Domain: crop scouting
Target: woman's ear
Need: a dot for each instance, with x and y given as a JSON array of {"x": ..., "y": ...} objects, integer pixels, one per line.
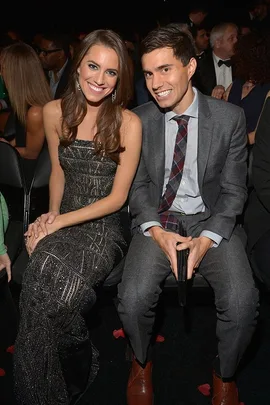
[{"x": 78, "y": 70}]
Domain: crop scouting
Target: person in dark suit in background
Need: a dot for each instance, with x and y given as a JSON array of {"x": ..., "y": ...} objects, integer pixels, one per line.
[
  {"x": 257, "y": 214},
  {"x": 211, "y": 195},
  {"x": 215, "y": 74},
  {"x": 54, "y": 53}
]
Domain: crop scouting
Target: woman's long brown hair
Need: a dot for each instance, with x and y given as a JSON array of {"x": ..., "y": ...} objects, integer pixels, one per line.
[
  {"x": 109, "y": 118},
  {"x": 24, "y": 78}
]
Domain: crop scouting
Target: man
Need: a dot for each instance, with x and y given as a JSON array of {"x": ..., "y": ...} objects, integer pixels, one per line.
[
  {"x": 196, "y": 15},
  {"x": 54, "y": 53},
  {"x": 259, "y": 15},
  {"x": 201, "y": 40},
  {"x": 215, "y": 73},
  {"x": 211, "y": 194}
]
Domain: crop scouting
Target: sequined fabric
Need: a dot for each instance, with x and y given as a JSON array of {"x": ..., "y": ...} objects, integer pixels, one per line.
[{"x": 59, "y": 286}]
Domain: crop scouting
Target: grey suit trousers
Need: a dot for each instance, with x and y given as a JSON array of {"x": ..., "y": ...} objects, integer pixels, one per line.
[{"x": 226, "y": 268}]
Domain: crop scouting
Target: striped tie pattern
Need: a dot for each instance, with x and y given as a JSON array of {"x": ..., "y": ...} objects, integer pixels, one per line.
[{"x": 167, "y": 220}]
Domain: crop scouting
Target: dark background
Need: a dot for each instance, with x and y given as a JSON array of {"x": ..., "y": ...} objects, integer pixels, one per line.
[{"x": 81, "y": 15}]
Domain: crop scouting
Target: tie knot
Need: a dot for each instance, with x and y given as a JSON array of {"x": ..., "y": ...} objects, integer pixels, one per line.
[
  {"x": 227, "y": 62},
  {"x": 181, "y": 119}
]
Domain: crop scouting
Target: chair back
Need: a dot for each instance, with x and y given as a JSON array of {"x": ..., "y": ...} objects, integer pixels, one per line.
[
  {"x": 38, "y": 198},
  {"x": 13, "y": 187},
  {"x": 43, "y": 169},
  {"x": 11, "y": 173}
]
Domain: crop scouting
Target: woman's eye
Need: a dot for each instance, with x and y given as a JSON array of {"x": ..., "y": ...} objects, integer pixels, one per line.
[
  {"x": 91, "y": 66},
  {"x": 111, "y": 73}
]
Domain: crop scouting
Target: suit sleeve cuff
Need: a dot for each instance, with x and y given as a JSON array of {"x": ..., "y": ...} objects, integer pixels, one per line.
[
  {"x": 213, "y": 236},
  {"x": 146, "y": 225}
]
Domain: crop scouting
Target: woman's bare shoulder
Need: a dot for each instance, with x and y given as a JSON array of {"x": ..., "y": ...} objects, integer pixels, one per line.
[
  {"x": 130, "y": 118},
  {"x": 52, "y": 108}
]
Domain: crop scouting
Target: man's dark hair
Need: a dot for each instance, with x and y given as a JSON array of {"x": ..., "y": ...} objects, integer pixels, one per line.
[
  {"x": 59, "y": 39},
  {"x": 171, "y": 36}
]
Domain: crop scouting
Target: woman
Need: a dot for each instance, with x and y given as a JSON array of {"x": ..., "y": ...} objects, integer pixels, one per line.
[
  {"x": 28, "y": 92},
  {"x": 4, "y": 257},
  {"x": 252, "y": 78},
  {"x": 94, "y": 145}
]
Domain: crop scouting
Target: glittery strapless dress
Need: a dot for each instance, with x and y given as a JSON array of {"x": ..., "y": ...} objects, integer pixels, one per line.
[{"x": 54, "y": 360}]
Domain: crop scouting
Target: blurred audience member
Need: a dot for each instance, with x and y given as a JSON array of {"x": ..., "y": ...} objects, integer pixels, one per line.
[
  {"x": 4, "y": 257},
  {"x": 28, "y": 92},
  {"x": 252, "y": 78},
  {"x": 257, "y": 215},
  {"x": 215, "y": 73},
  {"x": 54, "y": 53}
]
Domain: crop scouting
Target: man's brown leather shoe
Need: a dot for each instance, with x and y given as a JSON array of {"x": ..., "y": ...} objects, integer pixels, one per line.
[
  {"x": 224, "y": 393},
  {"x": 140, "y": 389}
]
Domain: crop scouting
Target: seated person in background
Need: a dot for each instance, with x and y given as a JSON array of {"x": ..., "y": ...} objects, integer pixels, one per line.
[
  {"x": 94, "y": 144},
  {"x": 257, "y": 213},
  {"x": 252, "y": 78},
  {"x": 5, "y": 41},
  {"x": 215, "y": 73},
  {"x": 201, "y": 39},
  {"x": 4, "y": 258},
  {"x": 199, "y": 188},
  {"x": 28, "y": 92},
  {"x": 54, "y": 53}
]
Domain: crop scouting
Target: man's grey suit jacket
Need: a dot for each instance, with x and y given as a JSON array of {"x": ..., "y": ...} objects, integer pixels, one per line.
[{"x": 222, "y": 164}]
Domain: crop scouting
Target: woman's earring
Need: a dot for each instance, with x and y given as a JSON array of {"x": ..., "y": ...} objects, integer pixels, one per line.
[
  {"x": 78, "y": 87},
  {"x": 113, "y": 96}
]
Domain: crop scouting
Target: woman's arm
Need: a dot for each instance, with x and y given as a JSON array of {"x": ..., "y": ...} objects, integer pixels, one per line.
[
  {"x": 52, "y": 123},
  {"x": 52, "y": 119},
  {"x": 5, "y": 262},
  {"x": 35, "y": 134},
  {"x": 131, "y": 133}
]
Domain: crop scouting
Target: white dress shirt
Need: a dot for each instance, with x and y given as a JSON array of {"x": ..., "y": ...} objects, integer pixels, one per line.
[{"x": 223, "y": 73}]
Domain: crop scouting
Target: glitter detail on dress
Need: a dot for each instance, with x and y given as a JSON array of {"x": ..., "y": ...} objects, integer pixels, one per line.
[{"x": 59, "y": 285}]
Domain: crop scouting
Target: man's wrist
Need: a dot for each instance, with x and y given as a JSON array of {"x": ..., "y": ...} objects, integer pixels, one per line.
[
  {"x": 208, "y": 242},
  {"x": 155, "y": 231}
]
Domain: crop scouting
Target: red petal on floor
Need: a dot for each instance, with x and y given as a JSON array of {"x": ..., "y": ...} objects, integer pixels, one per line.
[
  {"x": 204, "y": 389},
  {"x": 2, "y": 372},
  {"x": 10, "y": 349},
  {"x": 117, "y": 333},
  {"x": 160, "y": 339}
]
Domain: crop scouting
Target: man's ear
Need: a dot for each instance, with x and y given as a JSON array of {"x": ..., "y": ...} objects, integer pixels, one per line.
[
  {"x": 192, "y": 65},
  {"x": 217, "y": 43}
]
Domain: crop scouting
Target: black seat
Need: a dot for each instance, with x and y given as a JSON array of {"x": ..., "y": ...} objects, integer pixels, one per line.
[
  {"x": 13, "y": 188},
  {"x": 38, "y": 194},
  {"x": 23, "y": 202}
]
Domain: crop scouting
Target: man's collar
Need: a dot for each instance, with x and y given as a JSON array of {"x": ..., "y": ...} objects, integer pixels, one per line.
[{"x": 191, "y": 111}]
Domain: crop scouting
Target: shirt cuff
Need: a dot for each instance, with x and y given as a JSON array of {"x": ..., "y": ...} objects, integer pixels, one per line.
[
  {"x": 147, "y": 225},
  {"x": 3, "y": 250},
  {"x": 214, "y": 236},
  {"x": 3, "y": 104}
]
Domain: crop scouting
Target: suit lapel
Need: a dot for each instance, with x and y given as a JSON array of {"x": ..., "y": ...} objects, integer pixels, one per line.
[
  {"x": 157, "y": 129},
  {"x": 205, "y": 132}
]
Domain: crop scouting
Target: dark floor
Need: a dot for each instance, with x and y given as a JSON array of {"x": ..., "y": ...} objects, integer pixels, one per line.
[{"x": 181, "y": 363}]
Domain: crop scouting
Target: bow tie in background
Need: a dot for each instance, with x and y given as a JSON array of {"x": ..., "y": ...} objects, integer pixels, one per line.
[{"x": 227, "y": 62}]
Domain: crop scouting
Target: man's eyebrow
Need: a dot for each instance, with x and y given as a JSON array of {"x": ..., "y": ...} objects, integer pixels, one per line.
[{"x": 158, "y": 68}]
